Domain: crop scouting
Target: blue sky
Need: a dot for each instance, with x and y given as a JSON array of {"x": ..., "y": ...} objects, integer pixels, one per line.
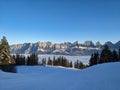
[{"x": 60, "y": 20}]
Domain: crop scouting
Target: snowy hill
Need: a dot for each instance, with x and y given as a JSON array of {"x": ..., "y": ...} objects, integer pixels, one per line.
[{"x": 99, "y": 77}]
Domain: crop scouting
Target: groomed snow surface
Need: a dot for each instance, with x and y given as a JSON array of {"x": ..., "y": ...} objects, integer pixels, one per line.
[{"x": 98, "y": 77}]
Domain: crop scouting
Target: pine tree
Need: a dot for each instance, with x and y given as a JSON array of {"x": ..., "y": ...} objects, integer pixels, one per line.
[
  {"x": 81, "y": 65},
  {"x": 96, "y": 58},
  {"x": 28, "y": 60},
  {"x": 119, "y": 54},
  {"x": 67, "y": 63},
  {"x": 71, "y": 65},
  {"x": 76, "y": 64},
  {"x": 49, "y": 61},
  {"x": 6, "y": 60},
  {"x": 5, "y": 57},
  {"x": 17, "y": 59},
  {"x": 53, "y": 60},
  {"x": 115, "y": 56},
  {"x": 106, "y": 55},
  {"x": 91, "y": 61},
  {"x": 36, "y": 59},
  {"x": 43, "y": 62}
]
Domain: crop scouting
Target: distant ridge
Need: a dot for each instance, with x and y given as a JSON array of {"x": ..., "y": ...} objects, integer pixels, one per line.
[{"x": 66, "y": 48}]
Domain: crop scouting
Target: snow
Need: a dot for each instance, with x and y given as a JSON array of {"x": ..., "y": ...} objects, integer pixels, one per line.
[
  {"x": 60, "y": 51},
  {"x": 41, "y": 50},
  {"x": 98, "y": 77}
]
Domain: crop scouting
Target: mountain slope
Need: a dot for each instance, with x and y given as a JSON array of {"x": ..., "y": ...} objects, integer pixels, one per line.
[{"x": 99, "y": 77}]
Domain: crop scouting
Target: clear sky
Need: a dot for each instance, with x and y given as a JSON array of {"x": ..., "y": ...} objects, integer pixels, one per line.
[{"x": 60, "y": 20}]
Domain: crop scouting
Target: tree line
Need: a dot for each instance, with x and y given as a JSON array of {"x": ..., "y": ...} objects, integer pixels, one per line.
[
  {"x": 59, "y": 61},
  {"x": 29, "y": 60},
  {"x": 62, "y": 61},
  {"x": 105, "y": 56}
]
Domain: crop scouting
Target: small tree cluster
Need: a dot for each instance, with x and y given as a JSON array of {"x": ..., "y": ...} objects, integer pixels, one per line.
[
  {"x": 79, "y": 65},
  {"x": 60, "y": 61},
  {"x": 105, "y": 56},
  {"x": 94, "y": 59},
  {"x": 30, "y": 60},
  {"x": 20, "y": 59}
]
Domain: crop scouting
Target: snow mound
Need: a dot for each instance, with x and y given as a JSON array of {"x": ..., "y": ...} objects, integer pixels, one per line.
[{"x": 98, "y": 77}]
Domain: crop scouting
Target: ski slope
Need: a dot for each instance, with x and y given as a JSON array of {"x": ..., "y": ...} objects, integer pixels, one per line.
[{"x": 98, "y": 77}]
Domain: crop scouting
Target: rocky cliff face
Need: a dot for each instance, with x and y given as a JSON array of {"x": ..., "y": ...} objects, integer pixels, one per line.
[{"x": 65, "y": 48}]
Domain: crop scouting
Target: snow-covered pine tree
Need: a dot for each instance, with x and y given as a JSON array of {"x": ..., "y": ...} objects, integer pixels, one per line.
[
  {"x": 6, "y": 60},
  {"x": 5, "y": 57}
]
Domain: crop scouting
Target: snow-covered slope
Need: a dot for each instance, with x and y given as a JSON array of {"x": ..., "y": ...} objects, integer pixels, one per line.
[{"x": 99, "y": 77}]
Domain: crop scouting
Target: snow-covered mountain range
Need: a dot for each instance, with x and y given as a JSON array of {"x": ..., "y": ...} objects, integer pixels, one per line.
[{"x": 66, "y": 48}]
